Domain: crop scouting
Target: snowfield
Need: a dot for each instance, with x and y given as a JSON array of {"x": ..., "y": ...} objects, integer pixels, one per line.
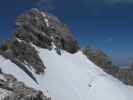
[{"x": 71, "y": 77}]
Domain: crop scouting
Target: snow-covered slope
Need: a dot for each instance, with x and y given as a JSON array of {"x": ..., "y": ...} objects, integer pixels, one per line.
[
  {"x": 71, "y": 77},
  {"x": 63, "y": 75}
]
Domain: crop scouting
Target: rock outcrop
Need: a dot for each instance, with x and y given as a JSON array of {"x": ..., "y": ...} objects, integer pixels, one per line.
[
  {"x": 11, "y": 89},
  {"x": 41, "y": 29}
]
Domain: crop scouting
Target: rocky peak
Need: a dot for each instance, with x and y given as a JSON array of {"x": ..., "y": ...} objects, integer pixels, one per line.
[
  {"x": 41, "y": 29},
  {"x": 35, "y": 27}
]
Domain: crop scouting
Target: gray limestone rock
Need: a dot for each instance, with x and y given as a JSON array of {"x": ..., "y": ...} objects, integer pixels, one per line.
[{"x": 11, "y": 89}]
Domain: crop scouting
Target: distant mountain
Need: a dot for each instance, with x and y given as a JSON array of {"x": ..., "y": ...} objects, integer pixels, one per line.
[{"x": 43, "y": 61}]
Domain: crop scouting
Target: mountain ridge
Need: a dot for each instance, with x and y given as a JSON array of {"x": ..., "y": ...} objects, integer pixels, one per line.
[{"x": 44, "y": 55}]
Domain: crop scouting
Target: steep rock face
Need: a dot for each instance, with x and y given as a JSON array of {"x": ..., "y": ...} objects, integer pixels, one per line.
[
  {"x": 31, "y": 27},
  {"x": 42, "y": 29},
  {"x": 11, "y": 89},
  {"x": 38, "y": 28}
]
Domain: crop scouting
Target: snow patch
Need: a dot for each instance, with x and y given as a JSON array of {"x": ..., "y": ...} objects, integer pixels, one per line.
[
  {"x": 2, "y": 77},
  {"x": 43, "y": 14},
  {"x": 46, "y": 21},
  {"x": 19, "y": 40},
  {"x": 10, "y": 68},
  {"x": 4, "y": 94},
  {"x": 45, "y": 18}
]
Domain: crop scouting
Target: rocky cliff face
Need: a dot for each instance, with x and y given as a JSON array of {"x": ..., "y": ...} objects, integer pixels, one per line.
[
  {"x": 38, "y": 28},
  {"x": 43, "y": 29}
]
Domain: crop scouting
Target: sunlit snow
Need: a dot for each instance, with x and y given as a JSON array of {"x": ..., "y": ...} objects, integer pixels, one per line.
[{"x": 71, "y": 77}]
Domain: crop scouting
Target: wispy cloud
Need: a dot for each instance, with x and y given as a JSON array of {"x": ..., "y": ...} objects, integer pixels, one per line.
[{"x": 110, "y": 39}]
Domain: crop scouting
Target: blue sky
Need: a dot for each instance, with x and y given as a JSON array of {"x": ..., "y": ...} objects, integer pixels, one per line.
[{"x": 106, "y": 24}]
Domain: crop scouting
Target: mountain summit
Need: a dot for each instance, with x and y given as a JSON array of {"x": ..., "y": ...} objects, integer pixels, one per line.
[
  {"x": 43, "y": 57},
  {"x": 41, "y": 29}
]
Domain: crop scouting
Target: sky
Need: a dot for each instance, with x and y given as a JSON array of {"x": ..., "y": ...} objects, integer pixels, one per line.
[{"x": 105, "y": 24}]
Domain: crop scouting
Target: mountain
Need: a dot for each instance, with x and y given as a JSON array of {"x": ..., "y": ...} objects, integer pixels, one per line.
[{"x": 43, "y": 61}]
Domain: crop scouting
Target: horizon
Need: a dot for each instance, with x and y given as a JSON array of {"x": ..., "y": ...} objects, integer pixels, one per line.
[{"x": 105, "y": 25}]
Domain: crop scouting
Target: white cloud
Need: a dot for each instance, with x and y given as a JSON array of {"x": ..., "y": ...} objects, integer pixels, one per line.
[{"x": 110, "y": 39}]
